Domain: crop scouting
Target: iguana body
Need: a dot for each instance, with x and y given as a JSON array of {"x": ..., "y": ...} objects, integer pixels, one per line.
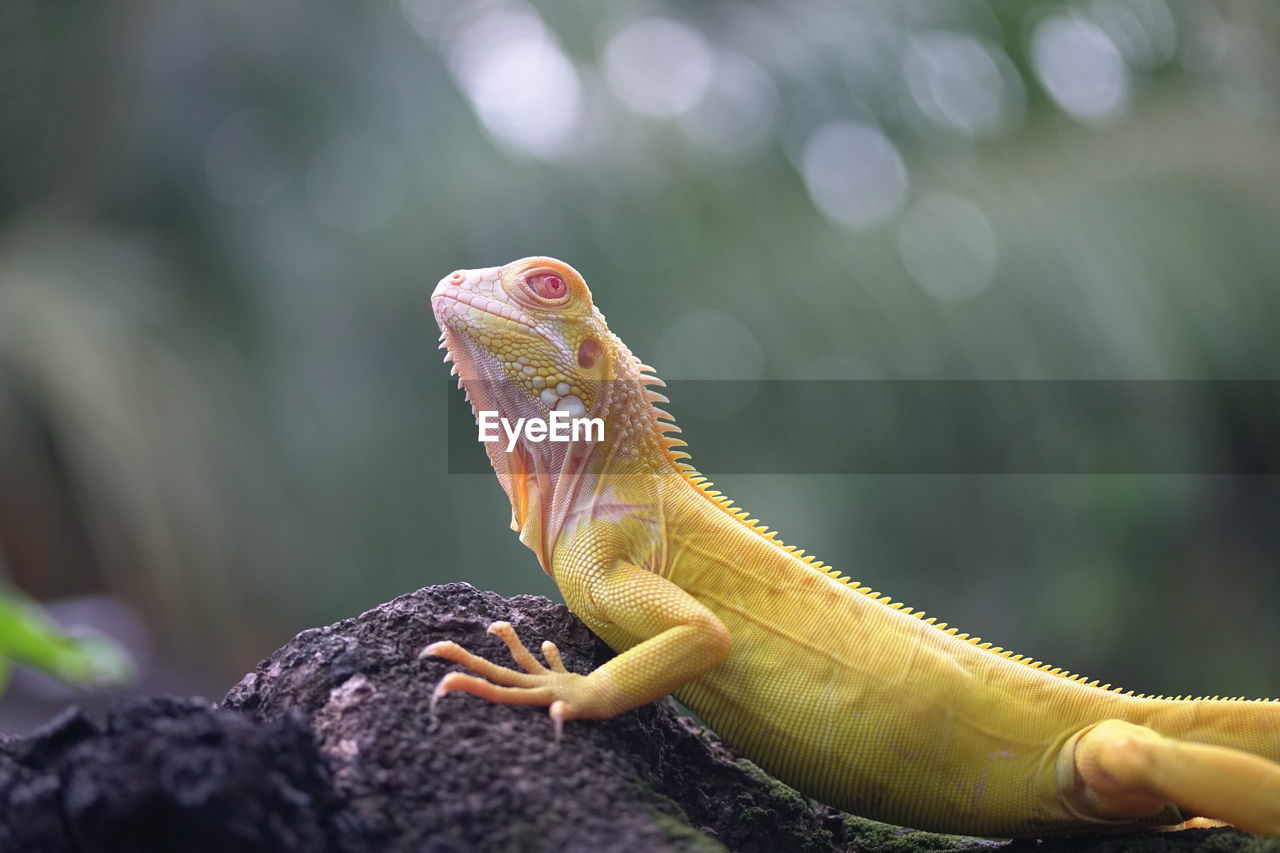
[{"x": 852, "y": 699}]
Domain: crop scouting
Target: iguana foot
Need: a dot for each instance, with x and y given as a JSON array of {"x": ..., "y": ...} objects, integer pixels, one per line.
[
  {"x": 1125, "y": 771},
  {"x": 567, "y": 693}
]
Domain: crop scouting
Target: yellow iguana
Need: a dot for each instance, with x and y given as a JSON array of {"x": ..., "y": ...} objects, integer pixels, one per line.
[{"x": 851, "y": 698}]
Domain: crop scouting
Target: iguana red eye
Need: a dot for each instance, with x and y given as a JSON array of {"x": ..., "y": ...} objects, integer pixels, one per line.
[{"x": 548, "y": 285}]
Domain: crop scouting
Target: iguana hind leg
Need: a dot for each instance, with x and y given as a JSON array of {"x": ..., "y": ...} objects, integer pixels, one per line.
[{"x": 1125, "y": 771}]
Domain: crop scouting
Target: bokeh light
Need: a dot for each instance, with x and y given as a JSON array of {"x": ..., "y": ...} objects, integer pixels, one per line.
[
  {"x": 854, "y": 174},
  {"x": 1235, "y": 74},
  {"x": 947, "y": 245},
  {"x": 1144, "y": 30},
  {"x": 659, "y": 67},
  {"x": 1081, "y": 68},
  {"x": 962, "y": 83},
  {"x": 737, "y": 112},
  {"x": 518, "y": 79},
  {"x": 709, "y": 344}
]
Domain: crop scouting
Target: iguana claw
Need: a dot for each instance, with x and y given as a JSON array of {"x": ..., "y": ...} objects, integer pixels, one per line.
[{"x": 537, "y": 685}]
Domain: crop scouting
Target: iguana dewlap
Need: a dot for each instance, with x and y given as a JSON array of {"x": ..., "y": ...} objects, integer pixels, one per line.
[{"x": 851, "y": 698}]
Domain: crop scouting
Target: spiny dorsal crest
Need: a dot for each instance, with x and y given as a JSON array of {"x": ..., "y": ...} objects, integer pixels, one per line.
[{"x": 664, "y": 425}]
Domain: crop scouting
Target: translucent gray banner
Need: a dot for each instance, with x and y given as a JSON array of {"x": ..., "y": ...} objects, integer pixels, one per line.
[{"x": 959, "y": 427}]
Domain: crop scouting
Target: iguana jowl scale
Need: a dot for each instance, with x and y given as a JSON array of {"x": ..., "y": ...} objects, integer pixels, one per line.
[{"x": 853, "y": 699}]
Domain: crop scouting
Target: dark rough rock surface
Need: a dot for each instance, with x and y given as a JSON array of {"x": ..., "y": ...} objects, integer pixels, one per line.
[
  {"x": 168, "y": 774},
  {"x": 329, "y": 745}
]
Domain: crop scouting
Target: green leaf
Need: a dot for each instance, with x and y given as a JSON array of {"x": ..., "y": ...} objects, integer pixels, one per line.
[{"x": 81, "y": 657}]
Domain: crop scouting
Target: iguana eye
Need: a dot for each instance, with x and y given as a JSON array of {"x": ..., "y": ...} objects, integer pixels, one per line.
[{"x": 548, "y": 285}]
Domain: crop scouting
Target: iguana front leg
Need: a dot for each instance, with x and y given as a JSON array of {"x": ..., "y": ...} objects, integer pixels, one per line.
[{"x": 672, "y": 639}]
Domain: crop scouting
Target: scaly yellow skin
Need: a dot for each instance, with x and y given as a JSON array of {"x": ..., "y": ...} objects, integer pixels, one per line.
[{"x": 854, "y": 700}]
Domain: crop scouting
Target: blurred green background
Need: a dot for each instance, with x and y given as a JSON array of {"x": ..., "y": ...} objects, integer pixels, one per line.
[{"x": 221, "y": 405}]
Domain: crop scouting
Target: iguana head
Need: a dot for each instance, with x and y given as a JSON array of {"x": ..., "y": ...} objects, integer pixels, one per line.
[{"x": 525, "y": 340}]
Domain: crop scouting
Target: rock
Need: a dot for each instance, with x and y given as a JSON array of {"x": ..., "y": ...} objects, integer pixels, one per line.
[
  {"x": 330, "y": 745},
  {"x": 167, "y": 774}
]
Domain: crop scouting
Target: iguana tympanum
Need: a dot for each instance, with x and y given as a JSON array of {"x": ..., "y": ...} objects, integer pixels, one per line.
[{"x": 851, "y": 698}]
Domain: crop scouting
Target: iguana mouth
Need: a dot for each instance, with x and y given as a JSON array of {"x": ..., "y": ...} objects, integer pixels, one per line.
[
  {"x": 447, "y": 290},
  {"x": 481, "y": 375}
]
